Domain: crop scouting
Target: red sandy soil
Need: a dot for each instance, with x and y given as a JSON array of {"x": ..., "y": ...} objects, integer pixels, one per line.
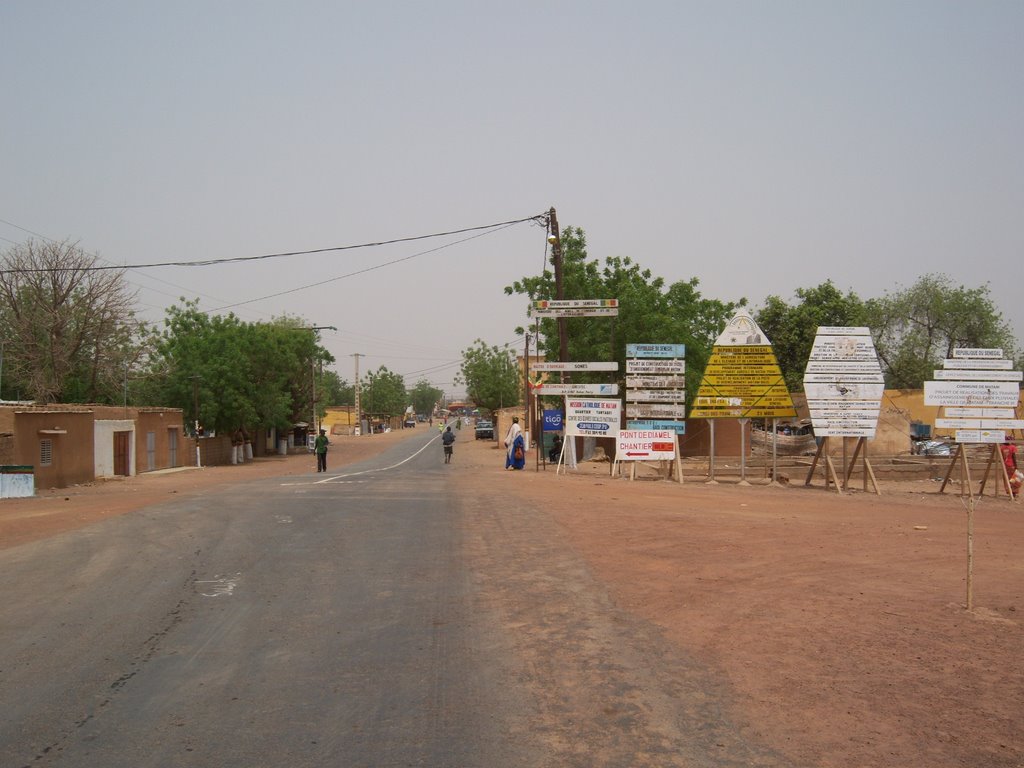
[{"x": 838, "y": 622}]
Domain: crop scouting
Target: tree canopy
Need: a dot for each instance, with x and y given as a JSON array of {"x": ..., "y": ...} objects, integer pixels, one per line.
[
  {"x": 70, "y": 330},
  {"x": 383, "y": 392},
  {"x": 239, "y": 374},
  {"x": 649, "y": 311},
  {"x": 424, "y": 396},
  {"x": 915, "y": 328},
  {"x": 331, "y": 389},
  {"x": 491, "y": 376},
  {"x": 792, "y": 328}
]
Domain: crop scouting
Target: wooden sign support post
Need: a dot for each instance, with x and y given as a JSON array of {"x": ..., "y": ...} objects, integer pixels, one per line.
[
  {"x": 970, "y": 554},
  {"x": 671, "y": 468},
  {"x": 743, "y": 451},
  {"x": 869, "y": 473},
  {"x": 711, "y": 455},
  {"x": 1000, "y": 474},
  {"x": 965, "y": 471},
  {"x": 775, "y": 453},
  {"x": 828, "y": 468}
]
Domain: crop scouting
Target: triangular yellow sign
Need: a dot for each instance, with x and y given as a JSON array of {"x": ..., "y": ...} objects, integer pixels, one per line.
[{"x": 742, "y": 379}]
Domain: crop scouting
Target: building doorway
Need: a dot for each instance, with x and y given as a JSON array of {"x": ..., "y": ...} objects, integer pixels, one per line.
[
  {"x": 122, "y": 453},
  {"x": 172, "y": 447}
]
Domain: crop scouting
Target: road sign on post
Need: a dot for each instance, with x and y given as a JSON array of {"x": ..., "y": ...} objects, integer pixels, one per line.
[
  {"x": 579, "y": 390},
  {"x": 670, "y": 351},
  {"x": 570, "y": 366},
  {"x": 655, "y": 386},
  {"x": 655, "y": 410},
  {"x": 575, "y": 308},
  {"x": 644, "y": 445},
  {"x": 661, "y": 445}
]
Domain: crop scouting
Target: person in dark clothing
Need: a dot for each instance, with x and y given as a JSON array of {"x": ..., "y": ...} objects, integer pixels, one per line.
[
  {"x": 447, "y": 438},
  {"x": 556, "y": 448}
]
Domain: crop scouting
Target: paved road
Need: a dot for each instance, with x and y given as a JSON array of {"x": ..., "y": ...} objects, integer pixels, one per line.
[{"x": 369, "y": 617}]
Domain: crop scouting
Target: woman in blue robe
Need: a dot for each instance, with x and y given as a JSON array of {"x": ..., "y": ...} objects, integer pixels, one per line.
[{"x": 515, "y": 457}]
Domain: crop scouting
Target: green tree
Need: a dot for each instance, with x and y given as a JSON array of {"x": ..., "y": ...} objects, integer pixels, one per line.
[
  {"x": 424, "y": 395},
  {"x": 290, "y": 364},
  {"x": 383, "y": 392},
  {"x": 916, "y": 328},
  {"x": 792, "y": 328},
  {"x": 239, "y": 374},
  {"x": 70, "y": 331},
  {"x": 491, "y": 376},
  {"x": 649, "y": 311},
  {"x": 336, "y": 390}
]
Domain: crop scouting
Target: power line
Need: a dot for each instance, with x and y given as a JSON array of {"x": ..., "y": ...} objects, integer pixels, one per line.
[
  {"x": 238, "y": 259},
  {"x": 96, "y": 255},
  {"x": 497, "y": 228}
]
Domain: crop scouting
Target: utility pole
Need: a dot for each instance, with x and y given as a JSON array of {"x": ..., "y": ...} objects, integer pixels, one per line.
[
  {"x": 563, "y": 337},
  {"x": 195, "y": 406},
  {"x": 526, "y": 374},
  {"x": 556, "y": 260},
  {"x": 359, "y": 413},
  {"x": 312, "y": 374},
  {"x": 526, "y": 386}
]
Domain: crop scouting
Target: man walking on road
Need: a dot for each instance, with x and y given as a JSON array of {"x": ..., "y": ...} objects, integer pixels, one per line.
[
  {"x": 447, "y": 438},
  {"x": 320, "y": 447}
]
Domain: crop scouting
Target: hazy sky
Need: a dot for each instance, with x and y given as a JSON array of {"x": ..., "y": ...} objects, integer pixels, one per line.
[{"x": 758, "y": 146}]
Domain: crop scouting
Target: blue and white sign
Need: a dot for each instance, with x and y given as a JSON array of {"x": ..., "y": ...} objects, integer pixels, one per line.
[
  {"x": 669, "y": 351},
  {"x": 552, "y": 421}
]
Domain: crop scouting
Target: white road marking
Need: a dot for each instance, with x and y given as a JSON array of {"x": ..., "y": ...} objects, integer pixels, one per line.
[
  {"x": 342, "y": 478},
  {"x": 222, "y": 586}
]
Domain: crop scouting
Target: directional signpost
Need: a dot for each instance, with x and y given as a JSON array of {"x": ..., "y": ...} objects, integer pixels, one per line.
[
  {"x": 979, "y": 393},
  {"x": 565, "y": 308},
  {"x": 973, "y": 381},
  {"x": 612, "y": 366},
  {"x": 655, "y": 401},
  {"x": 843, "y": 383},
  {"x": 575, "y": 308}
]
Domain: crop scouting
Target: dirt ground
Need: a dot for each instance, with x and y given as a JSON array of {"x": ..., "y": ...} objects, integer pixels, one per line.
[{"x": 839, "y": 622}]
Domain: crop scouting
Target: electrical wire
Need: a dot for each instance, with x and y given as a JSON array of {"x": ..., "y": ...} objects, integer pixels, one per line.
[
  {"x": 239, "y": 259},
  {"x": 494, "y": 228},
  {"x": 97, "y": 256}
]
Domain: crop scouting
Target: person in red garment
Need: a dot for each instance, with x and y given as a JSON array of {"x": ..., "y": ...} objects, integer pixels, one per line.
[{"x": 1009, "y": 452}]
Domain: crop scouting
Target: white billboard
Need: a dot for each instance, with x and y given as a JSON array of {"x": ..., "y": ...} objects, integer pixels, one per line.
[
  {"x": 645, "y": 445},
  {"x": 592, "y": 417},
  {"x": 577, "y": 389},
  {"x": 996, "y": 394}
]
